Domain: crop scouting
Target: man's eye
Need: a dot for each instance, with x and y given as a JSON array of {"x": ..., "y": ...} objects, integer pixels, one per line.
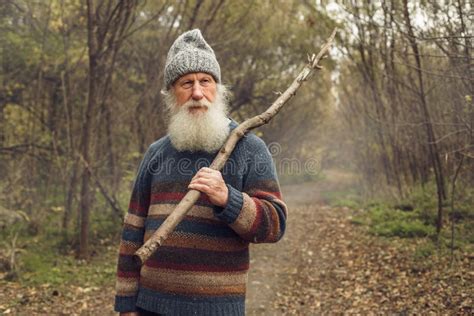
[
  {"x": 187, "y": 84},
  {"x": 205, "y": 82}
]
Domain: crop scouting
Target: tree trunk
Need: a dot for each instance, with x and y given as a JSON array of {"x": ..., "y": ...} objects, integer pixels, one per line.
[
  {"x": 433, "y": 150},
  {"x": 105, "y": 34},
  {"x": 84, "y": 204}
]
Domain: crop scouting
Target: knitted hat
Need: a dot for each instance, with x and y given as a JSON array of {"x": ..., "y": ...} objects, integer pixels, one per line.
[{"x": 190, "y": 53}]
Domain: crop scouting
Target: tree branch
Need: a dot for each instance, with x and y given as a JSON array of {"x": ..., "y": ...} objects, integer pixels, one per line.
[
  {"x": 153, "y": 17},
  {"x": 110, "y": 199}
]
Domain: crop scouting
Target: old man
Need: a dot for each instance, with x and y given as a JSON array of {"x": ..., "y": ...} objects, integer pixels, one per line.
[{"x": 202, "y": 267}]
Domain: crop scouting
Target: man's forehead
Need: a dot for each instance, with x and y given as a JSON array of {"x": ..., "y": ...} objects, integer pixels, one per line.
[{"x": 193, "y": 75}]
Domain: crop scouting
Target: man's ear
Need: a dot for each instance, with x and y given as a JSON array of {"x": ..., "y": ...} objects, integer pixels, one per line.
[{"x": 167, "y": 91}]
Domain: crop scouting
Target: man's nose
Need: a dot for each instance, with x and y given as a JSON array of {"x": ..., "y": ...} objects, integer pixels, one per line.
[{"x": 197, "y": 92}]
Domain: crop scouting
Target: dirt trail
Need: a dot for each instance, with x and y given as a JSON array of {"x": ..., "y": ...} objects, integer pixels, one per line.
[{"x": 276, "y": 266}]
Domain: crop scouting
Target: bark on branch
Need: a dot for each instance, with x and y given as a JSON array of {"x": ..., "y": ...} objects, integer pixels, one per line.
[
  {"x": 159, "y": 236},
  {"x": 108, "y": 197}
]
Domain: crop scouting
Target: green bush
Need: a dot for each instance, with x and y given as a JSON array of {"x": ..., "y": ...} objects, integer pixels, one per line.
[
  {"x": 402, "y": 229},
  {"x": 389, "y": 222},
  {"x": 414, "y": 216}
]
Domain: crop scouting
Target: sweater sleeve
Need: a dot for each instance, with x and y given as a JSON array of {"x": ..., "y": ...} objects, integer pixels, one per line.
[
  {"x": 128, "y": 271},
  {"x": 258, "y": 213}
]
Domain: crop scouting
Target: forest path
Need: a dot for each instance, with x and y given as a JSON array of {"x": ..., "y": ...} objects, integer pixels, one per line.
[{"x": 312, "y": 230}]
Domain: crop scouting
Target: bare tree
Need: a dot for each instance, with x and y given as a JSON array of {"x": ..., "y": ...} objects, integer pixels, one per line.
[{"x": 107, "y": 22}]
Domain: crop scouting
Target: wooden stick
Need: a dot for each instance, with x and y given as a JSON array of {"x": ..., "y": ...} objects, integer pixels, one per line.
[{"x": 159, "y": 236}]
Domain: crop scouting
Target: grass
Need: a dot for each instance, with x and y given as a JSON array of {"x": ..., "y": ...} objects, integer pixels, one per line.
[
  {"x": 385, "y": 218},
  {"x": 51, "y": 267},
  {"x": 344, "y": 198},
  {"x": 44, "y": 258}
]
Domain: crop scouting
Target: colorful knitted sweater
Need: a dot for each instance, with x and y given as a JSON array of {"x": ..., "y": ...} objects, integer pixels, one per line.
[{"x": 202, "y": 267}]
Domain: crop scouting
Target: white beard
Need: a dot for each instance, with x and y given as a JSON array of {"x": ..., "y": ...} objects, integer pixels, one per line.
[{"x": 199, "y": 131}]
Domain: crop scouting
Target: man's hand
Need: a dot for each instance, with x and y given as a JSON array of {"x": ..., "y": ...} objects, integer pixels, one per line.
[
  {"x": 130, "y": 314},
  {"x": 210, "y": 182}
]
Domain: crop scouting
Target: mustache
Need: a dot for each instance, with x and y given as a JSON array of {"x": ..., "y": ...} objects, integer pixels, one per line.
[{"x": 195, "y": 103}]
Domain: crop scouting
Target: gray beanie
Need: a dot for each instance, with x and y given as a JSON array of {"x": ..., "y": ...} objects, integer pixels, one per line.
[{"x": 190, "y": 53}]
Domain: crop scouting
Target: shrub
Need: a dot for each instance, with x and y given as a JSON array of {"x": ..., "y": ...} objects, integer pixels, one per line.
[{"x": 388, "y": 222}]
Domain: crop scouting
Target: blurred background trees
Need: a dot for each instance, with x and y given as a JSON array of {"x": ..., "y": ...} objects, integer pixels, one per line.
[
  {"x": 80, "y": 97},
  {"x": 406, "y": 95}
]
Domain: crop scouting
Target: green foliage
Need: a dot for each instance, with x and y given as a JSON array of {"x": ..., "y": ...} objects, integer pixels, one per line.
[
  {"x": 384, "y": 219},
  {"x": 358, "y": 220},
  {"x": 43, "y": 256},
  {"x": 104, "y": 223},
  {"x": 45, "y": 259},
  {"x": 424, "y": 199},
  {"x": 350, "y": 202},
  {"x": 391, "y": 223},
  {"x": 47, "y": 266}
]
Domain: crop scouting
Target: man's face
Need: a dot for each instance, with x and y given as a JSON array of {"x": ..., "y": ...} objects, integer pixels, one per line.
[
  {"x": 197, "y": 108},
  {"x": 196, "y": 87}
]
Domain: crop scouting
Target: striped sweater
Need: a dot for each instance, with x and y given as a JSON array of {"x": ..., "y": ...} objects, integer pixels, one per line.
[{"x": 202, "y": 267}]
